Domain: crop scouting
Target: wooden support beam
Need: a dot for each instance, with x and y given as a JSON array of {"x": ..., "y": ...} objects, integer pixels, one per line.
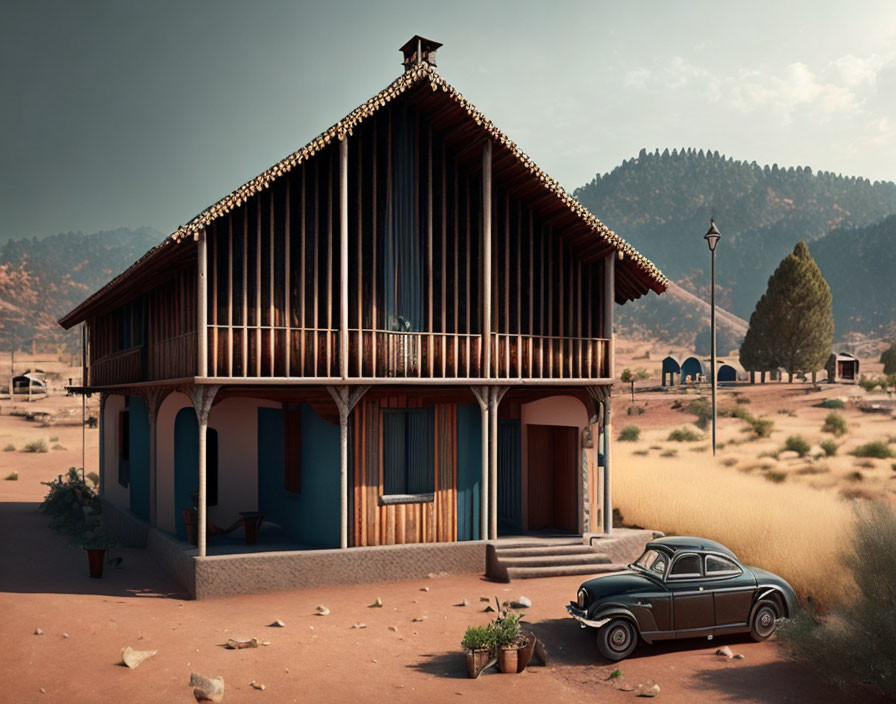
[
  {"x": 202, "y": 396},
  {"x": 346, "y": 398},
  {"x": 482, "y": 395},
  {"x": 287, "y": 285},
  {"x": 272, "y": 333},
  {"x": 343, "y": 257},
  {"x": 245, "y": 267},
  {"x": 230, "y": 294},
  {"x": 202, "y": 306},
  {"x": 486, "y": 258}
]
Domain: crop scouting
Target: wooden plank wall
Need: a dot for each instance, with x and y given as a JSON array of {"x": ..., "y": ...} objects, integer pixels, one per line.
[{"x": 430, "y": 522}]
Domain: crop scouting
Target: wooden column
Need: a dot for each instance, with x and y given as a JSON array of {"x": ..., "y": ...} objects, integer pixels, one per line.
[
  {"x": 482, "y": 396},
  {"x": 203, "y": 397},
  {"x": 609, "y": 302},
  {"x": 202, "y": 310},
  {"x": 496, "y": 393},
  {"x": 487, "y": 258},
  {"x": 343, "y": 258},
  {"x": 346, "y": 397},
  {"x": 102, "y": 441},
  {"x": 608, "y": 499}
]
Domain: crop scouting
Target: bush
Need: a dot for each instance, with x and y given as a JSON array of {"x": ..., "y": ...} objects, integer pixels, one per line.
[
  {"x": 829, "y": 447},
  {"x": 57, "y": 446},
  {"x": 701, "y": 408},
  {"x": 834, "y": 424},
  {"x": 12, "y": 477},
  {"x": 871, "y": 383},
  {"x": 477, "y": 638},
  {"x": 876, "y": 449},
  {"x": 775, "y": 475},
  {"x": 795, "y": 443},
  {"x": 9, "y": 448},
  {"x": 94, "y": 478},
  {"x": 684, "y": 435},
  {"x": 72, "y": 503},
  {"x": 630, "y": 433},
  {"x": 832, "y": 403},
  {"x": 506, "y": 629},
  {"x": 742, "y": 400},
  {"x": 36, "y": 446},
  {"x": 635, "y": 410},
  {"x": 762, "y": 427},
  {"x": 671, "y": 452},
  {"x": 860, "y": 625},
  {"x": 54, "y": 439}
]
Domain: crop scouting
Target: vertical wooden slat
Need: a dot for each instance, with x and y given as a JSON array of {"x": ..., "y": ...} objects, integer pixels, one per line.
[
  {"x": 303, "y": 313},
  {"x": 429, "y": 300},
  {"x": 287, "y": 283},
  {"x": 486, "y": 257},
  {"x": 550, "y": 248},
  {"x": 202, "y": 306},
  {"x": 343, "y": 257},
  {"x": 468, "y": 329},
  {"x": 315, "y": 334},
  {"x": 258, "y": 288},
  {"x": 230, "y": 294},
  {"x": 329, "y": 358},
  {"x": 444, "y": 212},
  {"x": 359, "y": 209},
  {"x": 456, "y": 369},
  {"x": 375, "y": 240},
  {"x": 271, "y": 332},
  {"x": 531, "y": 292},
  {"x": 245, "y": 336},
  {"x": 214, "y": 288},
  {"x": 507, "y": 327}
]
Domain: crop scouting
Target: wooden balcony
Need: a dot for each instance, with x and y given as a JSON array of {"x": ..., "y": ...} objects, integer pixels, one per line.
[{"x": 545, "y": 357}]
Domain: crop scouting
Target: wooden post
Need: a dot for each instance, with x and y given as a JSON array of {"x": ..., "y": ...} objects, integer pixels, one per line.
[
  {"x": 487, "y": 258},
  {"x": 202, "y": 322},
  {"x": 609, "y": 302},
  {"x": 482, "y": 396},
  {"x": 345, "y": 402},
  {"x": 203, "y": 396},
  {"x": 608, "y": 500},
  {"x": 102, "y": 441},
  {"x": 343, "y": 258},
  {"x": 496, "y": 393}
]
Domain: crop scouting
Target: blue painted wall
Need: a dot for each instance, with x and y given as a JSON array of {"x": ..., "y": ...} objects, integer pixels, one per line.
[
  {"x": 310, "y": 517},
  {"x": 510, "y": 513},
  {"x": 469, "y": 471},
  {"x": 139, "y": 457},
  {"x": 186, "y": 465}
]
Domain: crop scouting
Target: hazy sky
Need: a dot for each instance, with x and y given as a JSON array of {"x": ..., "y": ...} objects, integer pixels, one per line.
[{"x": 124, "y": 113}]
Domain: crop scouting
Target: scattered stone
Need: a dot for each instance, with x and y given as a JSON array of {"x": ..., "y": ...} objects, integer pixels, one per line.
[
  {"x": 625, "y": 687},
  {"x": 234, "y": 644},
  {"x": 425, "y": 589},
  {"x": 43, "y": 691},
  {"x": 360, "y": 625},
  {"x": 265, "y": 643},
  {"x": 488, "y": 609},
  {"x": 322, "y": 610},
  {"x": 522, "y": 603},
  {"x": 738, "y": 656},
  {"x": 310, "y": 628},
  {"x": 65, "y": 635},
  {"x": 650, "y": 691},
  {"x": 373, "y": 660},
  {"x": 256, "y": 685},
  {"x": 486, "y": 599},
  {"x": 724, "y": 652},
  {"x": 418, "y": 619},
  {"x": 207, "y": 689},
  {"x": 38, "y": 632},
  {"x": 393, "y": 628},
  {"x": 132, "y": 658},
  {"x": 278, "y": 624},
  {"x": 378, "y": 604},
  {"x": 465, "y": 602}
]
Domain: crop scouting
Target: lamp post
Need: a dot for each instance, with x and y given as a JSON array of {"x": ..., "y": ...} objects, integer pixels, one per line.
[{"x": 712, "y": 238}]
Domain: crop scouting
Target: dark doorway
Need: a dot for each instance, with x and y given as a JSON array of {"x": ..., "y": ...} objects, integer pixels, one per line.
[
  {"x": 553, "y": 453},
  {"x": 510, "y": 518}
]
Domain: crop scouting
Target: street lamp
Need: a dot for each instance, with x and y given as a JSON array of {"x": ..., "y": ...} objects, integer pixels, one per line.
[{"x": 712, "y": 238}]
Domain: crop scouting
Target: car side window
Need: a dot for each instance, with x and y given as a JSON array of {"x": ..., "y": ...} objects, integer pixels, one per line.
[
  {"x": 717, "y": 566},
  {"x": 685, "y": 567}
]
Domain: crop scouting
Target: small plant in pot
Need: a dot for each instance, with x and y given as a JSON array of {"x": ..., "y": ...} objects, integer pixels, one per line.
[
  {"x": 478, "y": 641},
  {"x": 95, "y": 540},
  {"x": 508, "y": 640}
]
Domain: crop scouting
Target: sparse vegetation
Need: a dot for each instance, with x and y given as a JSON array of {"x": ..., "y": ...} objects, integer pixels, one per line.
[
  {"x": 856, "y": 476},
  {"x": 630, "y": 433},
  {"x": 860, "y": 625},
  {"x": 54, "y": 439},
  {"x": 829, "y": 447},
  {"x": 671, "y": 452},
  {"x": 796, "y": 443},
  {"x": 641, "y": 453},
  {"x": 12, "y": 477},
  {"x": 876, "y": 449},
  {"x": 742, "y": 400},
  {"x": 729, "y": 461},
  {"x": 57, "y": 446},
  {"x": 635, "y": 410},
  {"x": 9, "y": 448},
  {"x": 787, "y": 412},
  {"x": 630, "y": 377},
  {"x": 762, "y": 427},
  {"x": 832, "y": 403},
  {"x": 36, "y": 446},
  {"x": 701, "y": 408},
  {"x": 834, "y": 424},
  {"x": 684, "y": 435},
  {"x": 776, "y": 475}
]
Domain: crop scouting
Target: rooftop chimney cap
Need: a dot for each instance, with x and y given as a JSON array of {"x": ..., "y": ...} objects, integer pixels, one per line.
[{"x": 417, "y": 50}]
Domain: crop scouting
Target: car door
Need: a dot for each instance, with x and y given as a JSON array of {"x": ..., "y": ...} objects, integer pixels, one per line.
[
  {"x": 692, "y": 604},
  {"x": 733, "y": 591}
]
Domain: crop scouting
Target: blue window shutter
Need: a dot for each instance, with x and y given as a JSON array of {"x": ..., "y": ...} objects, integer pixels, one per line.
[
  {"x": 394, "y": 453},
  {"x": 420, "y": 452}
]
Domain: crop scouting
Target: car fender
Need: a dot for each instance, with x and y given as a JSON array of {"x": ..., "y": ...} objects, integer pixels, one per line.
[
  {"x": 604, "y": 614},
  {"x": 789, "y": 607}
]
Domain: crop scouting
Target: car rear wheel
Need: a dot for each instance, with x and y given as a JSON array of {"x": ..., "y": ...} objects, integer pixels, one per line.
[
  {"x": 764, "y": 621},
  {"x": 617, "y": 639}
]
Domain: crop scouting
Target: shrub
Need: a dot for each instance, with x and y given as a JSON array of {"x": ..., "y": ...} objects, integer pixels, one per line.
[
  {"x": 506, "y": 629},
  {"x": 701, "y": 408},
  {"x": 477, "y": 638},
  {"x": 762, "y": 427},
  {"x": 36, "y": 446},
  {"x": 829, "y": 447},
  {"x": 12, "y": 477},
  {"x": 871, "y": 383},
  {"x": 855, "y": 476},
  {"x": 795, "y": 443},
  {"x": 635, "y": 410},
  {"x": 57, "y": 446},
  {"x": 876, "y": 449},
  {"x": 9, "y": 448},
  {"x": 671, "y": 452},
  {"x": 54, "y": 439},
  {"x": 684, "y": 435},
  {"x": 775, "y": 475},
  {"x": 729, "y": 461},
  {"x": 834, "y": 424},
  {"x": 859, "y": 626},
  {"x": 742, "y": 400},
  {"x": 71, "y": 502},
  {"x": 832, "y": 403},
  {"x": 94, "y": 478},
  {"x": 630, "y": 433}
]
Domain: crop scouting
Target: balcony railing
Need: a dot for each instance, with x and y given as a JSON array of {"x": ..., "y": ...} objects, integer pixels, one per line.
[{"x": 548, "y": 357}]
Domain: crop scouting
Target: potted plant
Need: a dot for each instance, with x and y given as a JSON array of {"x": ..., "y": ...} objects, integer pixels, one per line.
[
  {"x": 508, "y": 640},
  {"x": 95, "y": 541},
  {"x": 478, "y": 644}
]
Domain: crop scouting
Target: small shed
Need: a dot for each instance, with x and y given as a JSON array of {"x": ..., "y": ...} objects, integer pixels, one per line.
[
  {"x": 842, "y": 367},
  {"x": 694, "y": 368},
  {"x": 727, "y": 372},
  {"x": 32, "y": 381},
  {"x": 672, "y": 368}
]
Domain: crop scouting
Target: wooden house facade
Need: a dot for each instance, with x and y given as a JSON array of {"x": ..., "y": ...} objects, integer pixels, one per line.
[{"x": 400, "y": 333}]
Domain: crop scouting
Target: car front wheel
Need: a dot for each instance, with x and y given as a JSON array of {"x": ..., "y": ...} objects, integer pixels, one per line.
[
  {"x": 764, "y": 622},
  {"x": 617, "y": 639}
]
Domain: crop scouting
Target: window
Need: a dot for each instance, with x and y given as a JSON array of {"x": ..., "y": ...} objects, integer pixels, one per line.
[
  {"x": 686, "y": 566},
  {"x": 292, "y": 448},
  {"x": 408, "y": 456},
  {"x": 124, "y": 447},
  {"x": 653, "y": 561},
  {"x": 717, "y": 566}
]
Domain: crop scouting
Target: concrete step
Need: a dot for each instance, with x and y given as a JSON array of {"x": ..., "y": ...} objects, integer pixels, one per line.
[
  {"x": 511, "y": 543},
  {"x": 589, "y": 558},
  {"x": 530, "y": 550},
  {"x": 561, "y": 571}
]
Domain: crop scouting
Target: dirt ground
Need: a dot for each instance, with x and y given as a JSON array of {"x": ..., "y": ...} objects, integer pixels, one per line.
[{"x": 86, "y": 623}]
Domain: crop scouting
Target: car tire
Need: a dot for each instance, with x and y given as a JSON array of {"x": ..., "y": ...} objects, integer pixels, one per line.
[
  {"x": 764, "y": 620},
  {"x": 617, "y": 639}
]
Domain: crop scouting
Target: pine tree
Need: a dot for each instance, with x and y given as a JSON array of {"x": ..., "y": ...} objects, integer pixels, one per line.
[
  {"x": 793, "y": 324},
  {"x": 888, "y": 359}
]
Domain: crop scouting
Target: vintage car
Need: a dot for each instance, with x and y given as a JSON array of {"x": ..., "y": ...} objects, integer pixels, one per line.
[{"x": 681, "y": 588}]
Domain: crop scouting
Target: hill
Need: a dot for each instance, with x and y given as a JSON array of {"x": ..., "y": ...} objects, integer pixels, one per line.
[{"x": 662, "y": 203}]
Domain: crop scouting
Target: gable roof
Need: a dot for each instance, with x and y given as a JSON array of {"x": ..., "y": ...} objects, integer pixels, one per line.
[{"x": 648, "y": 276}]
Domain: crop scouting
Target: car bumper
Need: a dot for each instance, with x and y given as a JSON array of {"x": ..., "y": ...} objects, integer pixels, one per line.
[{"x": 582, "y": 617}]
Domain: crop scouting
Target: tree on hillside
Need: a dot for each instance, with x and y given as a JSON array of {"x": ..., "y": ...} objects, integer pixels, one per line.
[
  {"x": 793, "y": 324},
  {"x": 888, "y": 359},
  {"x": 630, "y": 377}
]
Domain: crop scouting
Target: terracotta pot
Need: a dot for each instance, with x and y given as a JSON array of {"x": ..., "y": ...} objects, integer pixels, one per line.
[
  {"x": 525, "y": 654},
  {"x": 96, "y": 558},
  {"x": 508, "y": 658},
  {"x": 191, "y": 523},
  {"x": 476, "y": 660}
]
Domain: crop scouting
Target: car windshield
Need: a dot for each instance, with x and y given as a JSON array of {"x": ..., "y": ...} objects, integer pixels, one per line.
[{"x": 652, "y": 561}]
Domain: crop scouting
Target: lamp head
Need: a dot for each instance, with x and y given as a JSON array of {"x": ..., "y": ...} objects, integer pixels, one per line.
[{"x": 712, "y": 236}]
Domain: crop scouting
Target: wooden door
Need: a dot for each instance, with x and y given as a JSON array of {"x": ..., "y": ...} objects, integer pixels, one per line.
[{"x": 552, "y": 455}]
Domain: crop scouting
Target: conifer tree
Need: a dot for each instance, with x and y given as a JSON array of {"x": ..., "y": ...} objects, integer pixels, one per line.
[{"x": 888, "y": 359}]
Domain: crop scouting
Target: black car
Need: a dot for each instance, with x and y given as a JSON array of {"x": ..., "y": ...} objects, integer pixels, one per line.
[{"x": 681, "y": 588}]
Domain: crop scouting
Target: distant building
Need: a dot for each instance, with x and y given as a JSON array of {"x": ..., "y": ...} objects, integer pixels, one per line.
[
  {"x": 694, "y": 369},
  {"x": 842, "y": 367},
  {"x": 671, "y": 371},
  {"x": 30, "y": 382}
]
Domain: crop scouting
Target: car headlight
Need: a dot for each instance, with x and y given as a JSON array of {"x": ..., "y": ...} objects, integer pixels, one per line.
[{"x": 582, "y": 598}]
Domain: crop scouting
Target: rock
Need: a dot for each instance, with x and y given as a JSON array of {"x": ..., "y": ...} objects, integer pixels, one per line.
[
  {"x": 425, "y": 589},
  {"x": 265, "y": 643},
  {"x": 815, "y": 452},
  {"x": 256, "y": 685},
  {"x": 724, "y": 652},
  {"x": 132, "y": 658},
  {"x": 322, "y": 610},
  {"x": 521, "y": 603},
  {"x": 43, "y": 691},
  {"x": 418, "y": 619},
  {"x": 360, "y": 625},
  {"x": 649, "y": 691},
  {"x": 65, "y": 635},
  {"x": 738, "y": 656},
  {"x": 465, "y": 602},
  {"x": 488, "y": 609},
  {"x": 393, "y": 628},
  {"x": 207, "y": 689},
  {"x": 278, "y": 624},
  {"x": 486, "y": 599},
  {"x": 234, "y": 644},
  {"x": 38, "y": 632},
  {"x": 378, "y": 604}
]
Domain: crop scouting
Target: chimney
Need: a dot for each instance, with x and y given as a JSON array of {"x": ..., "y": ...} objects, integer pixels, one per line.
[{"x": 418, "y": 50}]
